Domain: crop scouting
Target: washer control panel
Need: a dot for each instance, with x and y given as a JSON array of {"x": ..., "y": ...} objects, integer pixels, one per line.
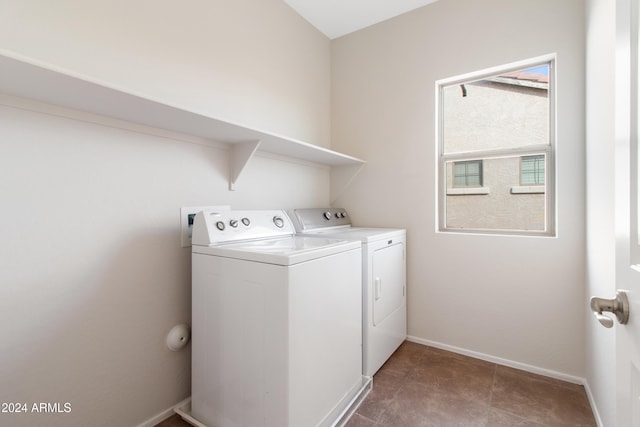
[
  {"x": 219, "y": 227},
  {"x": 317, "y": 218}
]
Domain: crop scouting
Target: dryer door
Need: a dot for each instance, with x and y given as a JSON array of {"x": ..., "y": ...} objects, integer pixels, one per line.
[{"x": 388, "y": 281}]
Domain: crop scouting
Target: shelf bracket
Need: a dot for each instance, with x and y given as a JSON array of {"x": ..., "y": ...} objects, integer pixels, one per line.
[{"x": 241, "y": 153}]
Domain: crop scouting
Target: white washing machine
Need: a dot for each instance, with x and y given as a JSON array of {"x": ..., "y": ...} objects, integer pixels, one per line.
[
  {"x": 276, "y": 323},
  {"x": 384, "y": 300}
]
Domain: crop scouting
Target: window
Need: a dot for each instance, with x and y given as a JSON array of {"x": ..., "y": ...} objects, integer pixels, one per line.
[
  {"x": 496, "y": 150},
  {"x": 532, "y": 170},
  {"x": 467, "y": 174}
]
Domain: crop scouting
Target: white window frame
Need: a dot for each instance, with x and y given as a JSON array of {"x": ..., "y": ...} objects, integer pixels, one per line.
[{"x": 548, "y": 150}]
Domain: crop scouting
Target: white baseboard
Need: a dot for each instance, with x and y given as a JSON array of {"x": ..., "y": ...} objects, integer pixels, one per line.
[
  {"x": 594, "y": 407},
  {"x": 164, "y": 414},
  {"x": 500, "y": 361}
]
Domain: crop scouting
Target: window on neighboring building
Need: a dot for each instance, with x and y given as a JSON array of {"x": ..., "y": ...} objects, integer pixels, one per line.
[
  {"x": 467, "y": 174},
  {"x": 532, "y": 170},
  {"x": 496, "y": 162}
]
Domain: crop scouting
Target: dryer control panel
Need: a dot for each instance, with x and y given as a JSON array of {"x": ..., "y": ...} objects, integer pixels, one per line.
[
  {"x": 317, "y": 218},
  {"x": 219, "y": 227}
]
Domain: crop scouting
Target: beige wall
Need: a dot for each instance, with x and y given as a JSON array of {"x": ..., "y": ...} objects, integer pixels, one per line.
[
  {"x": 516, "y": 299},
  {"x": 93, "y": 276},
  {"x": 254, "y": 63}
]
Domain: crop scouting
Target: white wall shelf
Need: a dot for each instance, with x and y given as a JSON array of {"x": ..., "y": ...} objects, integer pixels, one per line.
[{"x": 26, "y": 78}]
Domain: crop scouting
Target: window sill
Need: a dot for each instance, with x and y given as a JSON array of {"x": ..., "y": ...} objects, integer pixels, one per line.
[
  {"x": 527, "y": 189},
  {"x": 468, "y": 191}
]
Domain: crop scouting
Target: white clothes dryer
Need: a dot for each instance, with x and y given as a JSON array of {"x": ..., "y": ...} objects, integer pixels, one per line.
[
  {"x": 276, "y": 323},
  {"x": 384, "y": 301}
]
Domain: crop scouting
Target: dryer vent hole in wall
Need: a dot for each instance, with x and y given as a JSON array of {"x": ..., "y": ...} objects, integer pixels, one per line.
[{"x": 178, "y": 337}]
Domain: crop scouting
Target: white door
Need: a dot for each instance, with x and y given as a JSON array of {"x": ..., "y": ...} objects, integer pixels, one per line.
[{"x": 626, "y": 211}]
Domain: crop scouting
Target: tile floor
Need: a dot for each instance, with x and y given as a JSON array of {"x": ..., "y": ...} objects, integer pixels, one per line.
[{"x": 424, "y": 386}]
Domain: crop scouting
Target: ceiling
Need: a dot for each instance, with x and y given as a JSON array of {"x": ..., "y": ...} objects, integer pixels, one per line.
[{"x": 336, "y": 18}]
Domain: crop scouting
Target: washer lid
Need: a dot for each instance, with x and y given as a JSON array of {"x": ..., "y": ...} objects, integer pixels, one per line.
[{"x": 280, "y": 251}]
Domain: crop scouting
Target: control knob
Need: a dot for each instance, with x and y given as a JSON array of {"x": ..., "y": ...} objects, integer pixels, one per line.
[
  {"x": 278, "y": 221},
  {"x": 327, "y": 215},
  {"x": 220, "y": 225},
  {"x": 245, "y": 221},
  {"x": 233, "y": 223}
]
